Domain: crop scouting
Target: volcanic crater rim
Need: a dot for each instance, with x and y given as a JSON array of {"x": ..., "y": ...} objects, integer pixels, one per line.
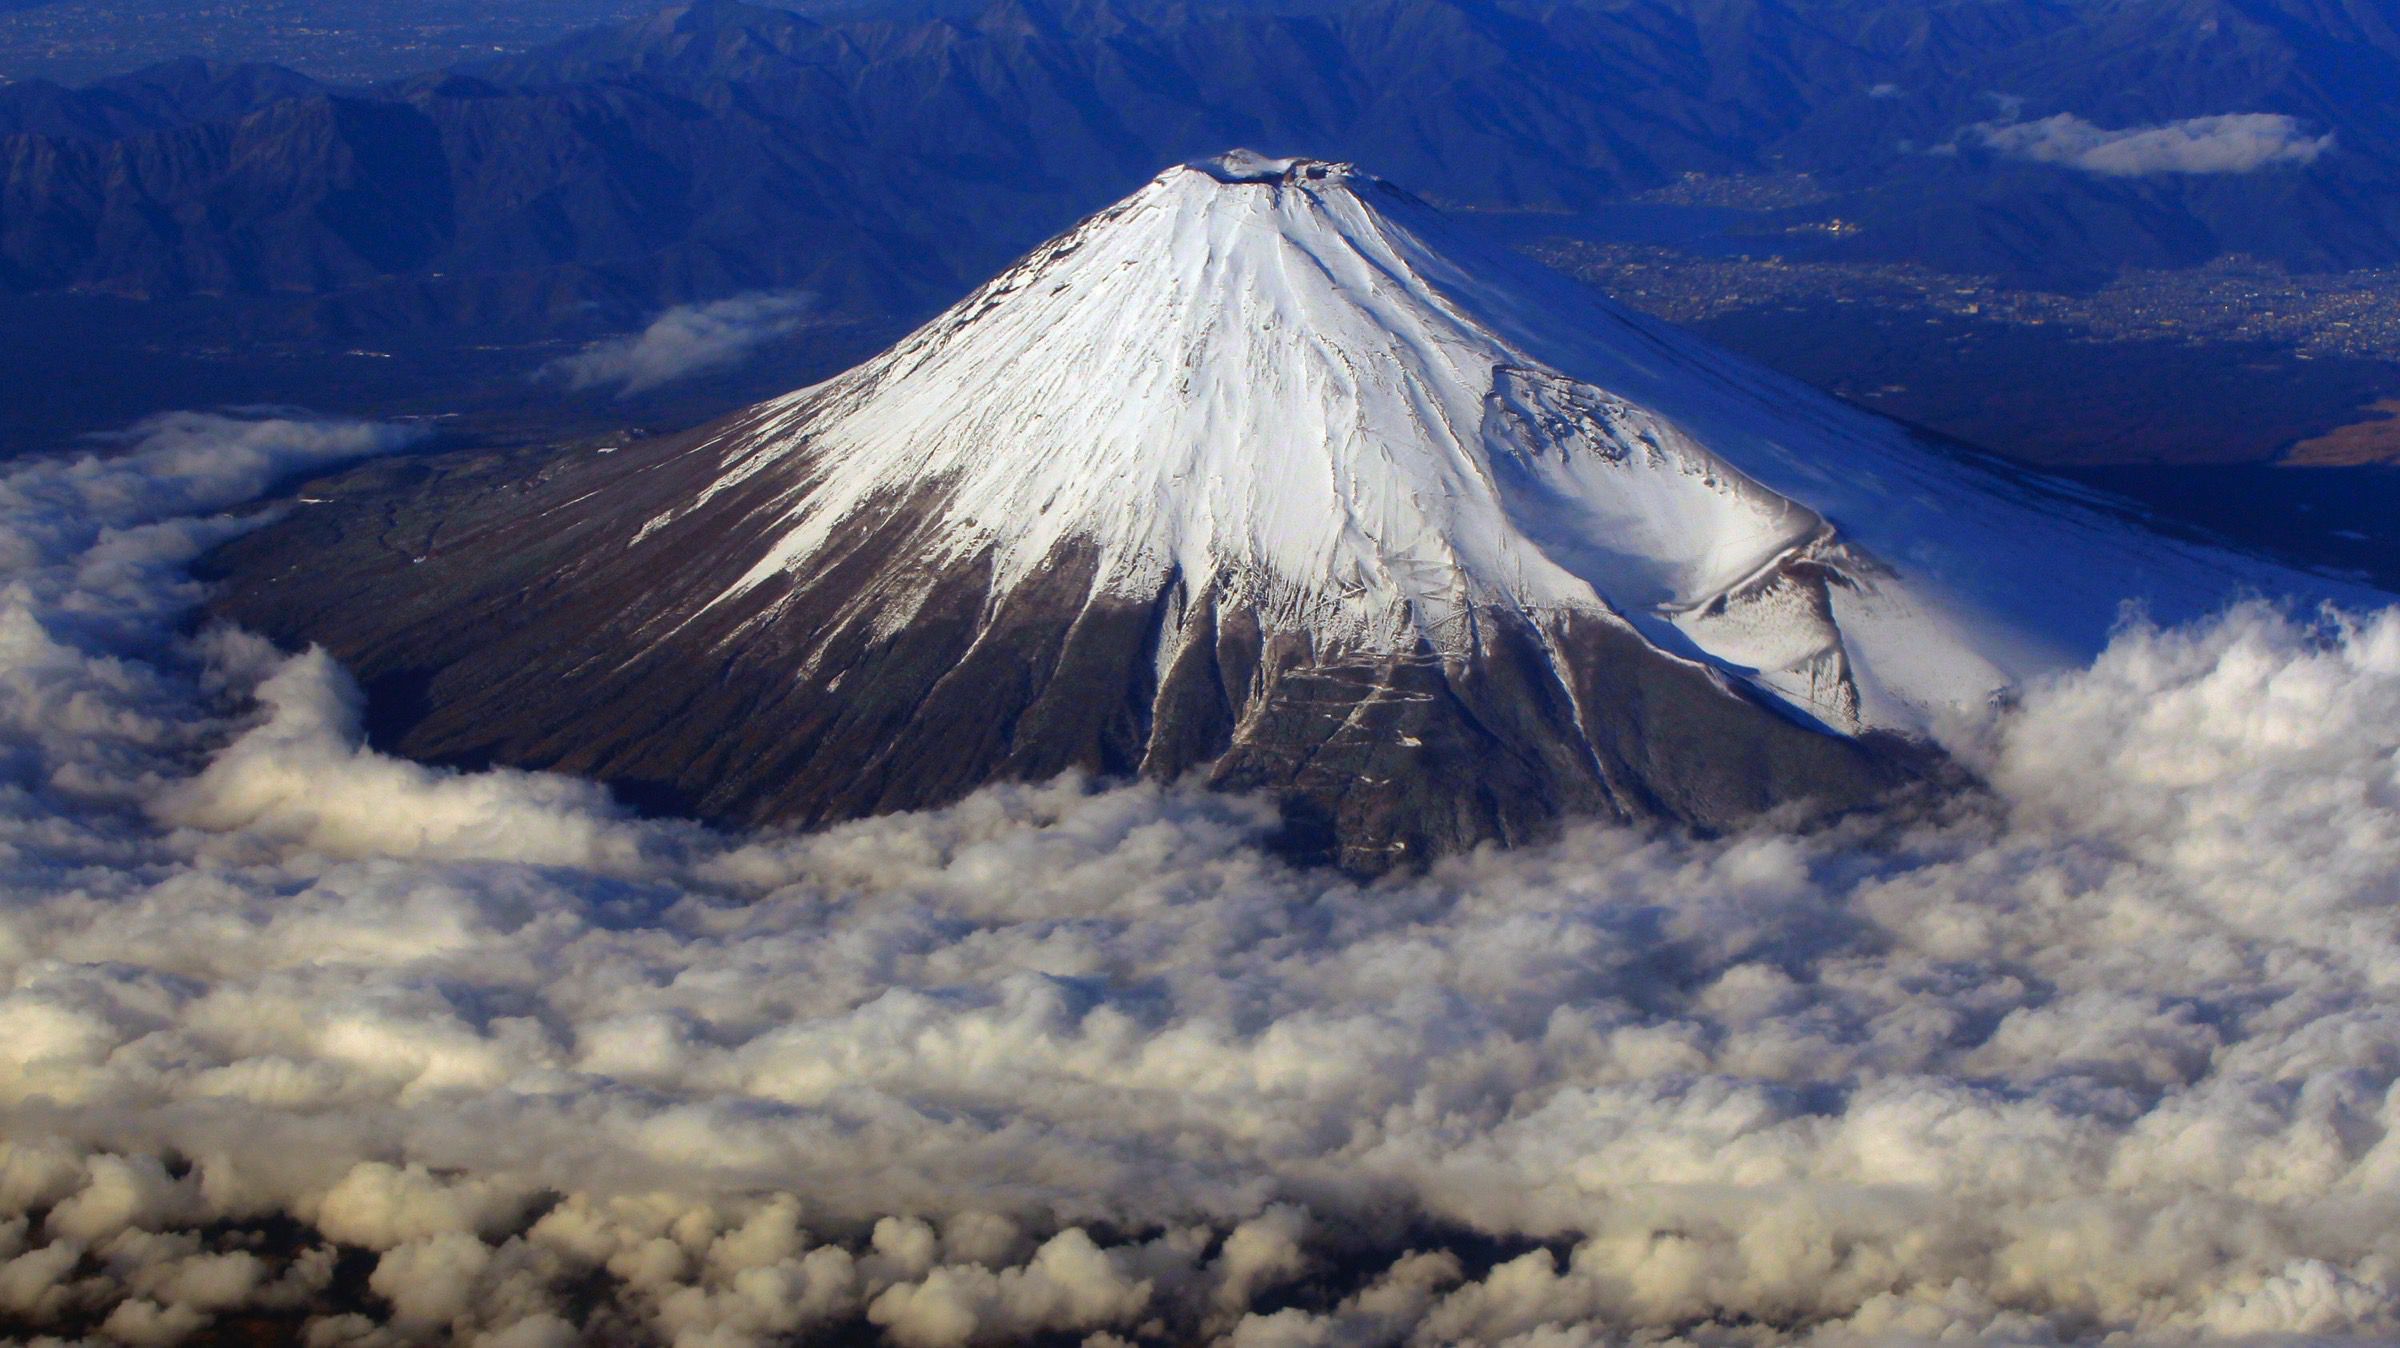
[{"x": 1239, "y": 167}]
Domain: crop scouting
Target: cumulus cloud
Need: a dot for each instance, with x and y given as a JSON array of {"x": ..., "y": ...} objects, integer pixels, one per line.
[
  {"x": 301, "y": 775},
  {"x": 294, "y": 1033},
  {"x": 2231, "y": 143},
  {"x": 686, "y": 340}
]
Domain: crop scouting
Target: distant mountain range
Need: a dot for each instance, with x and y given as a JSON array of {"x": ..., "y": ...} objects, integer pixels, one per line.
[{"x": 884, "y": 162}]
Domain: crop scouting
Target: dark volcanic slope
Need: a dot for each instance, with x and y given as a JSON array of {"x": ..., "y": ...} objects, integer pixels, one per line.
[{"x": 453, "y": 606}]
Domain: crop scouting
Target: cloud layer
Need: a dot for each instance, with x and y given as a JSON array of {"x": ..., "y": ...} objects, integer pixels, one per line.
[
  {"x": 2232, "y": 143},
  {"x": 686, "y": 340},
  {"x": 299, "y": 1033}
]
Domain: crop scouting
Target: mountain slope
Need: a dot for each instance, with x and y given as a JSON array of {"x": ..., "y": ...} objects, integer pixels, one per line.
[{"x": 1264, "y": 473}]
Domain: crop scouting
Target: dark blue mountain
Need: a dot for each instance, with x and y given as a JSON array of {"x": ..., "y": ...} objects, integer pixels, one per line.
[{"x": 885, "y": 159}]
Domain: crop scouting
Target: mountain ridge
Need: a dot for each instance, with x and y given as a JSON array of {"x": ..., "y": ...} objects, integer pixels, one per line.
[{"x": 1021, "y": 120}]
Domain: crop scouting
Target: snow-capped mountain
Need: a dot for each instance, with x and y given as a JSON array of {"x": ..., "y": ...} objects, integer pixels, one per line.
[{"x": 1267, "y": 473}]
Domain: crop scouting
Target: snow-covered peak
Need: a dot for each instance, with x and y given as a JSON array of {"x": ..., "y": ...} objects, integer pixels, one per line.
[
  {"x": 1249, "y": 166},
  {"x": 1286, "y": 382},
  {"x": 1263, "y": 389}
]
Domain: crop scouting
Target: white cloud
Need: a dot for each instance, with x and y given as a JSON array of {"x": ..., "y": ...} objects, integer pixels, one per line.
[
  {"x": 301, "y": 775},
  {"x": 686, "y": 340},
  {"x": 2112, "y": 1050},
  {"x": 2232, "y": 143}
]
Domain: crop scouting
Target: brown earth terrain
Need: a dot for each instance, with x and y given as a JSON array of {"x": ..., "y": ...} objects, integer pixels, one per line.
[{"x": 2374, "y": 439}]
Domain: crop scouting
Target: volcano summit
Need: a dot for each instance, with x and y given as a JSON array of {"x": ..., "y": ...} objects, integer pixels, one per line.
[{"x": 1269, "y": 474}]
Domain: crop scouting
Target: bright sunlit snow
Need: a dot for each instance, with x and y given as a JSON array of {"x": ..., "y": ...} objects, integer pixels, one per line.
[{"x": 1295, "y": 380}]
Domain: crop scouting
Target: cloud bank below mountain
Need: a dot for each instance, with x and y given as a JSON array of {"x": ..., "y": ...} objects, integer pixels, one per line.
[
  {"x": 295, "y": 1032},
  {"x": 2231, "y": 143}
]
